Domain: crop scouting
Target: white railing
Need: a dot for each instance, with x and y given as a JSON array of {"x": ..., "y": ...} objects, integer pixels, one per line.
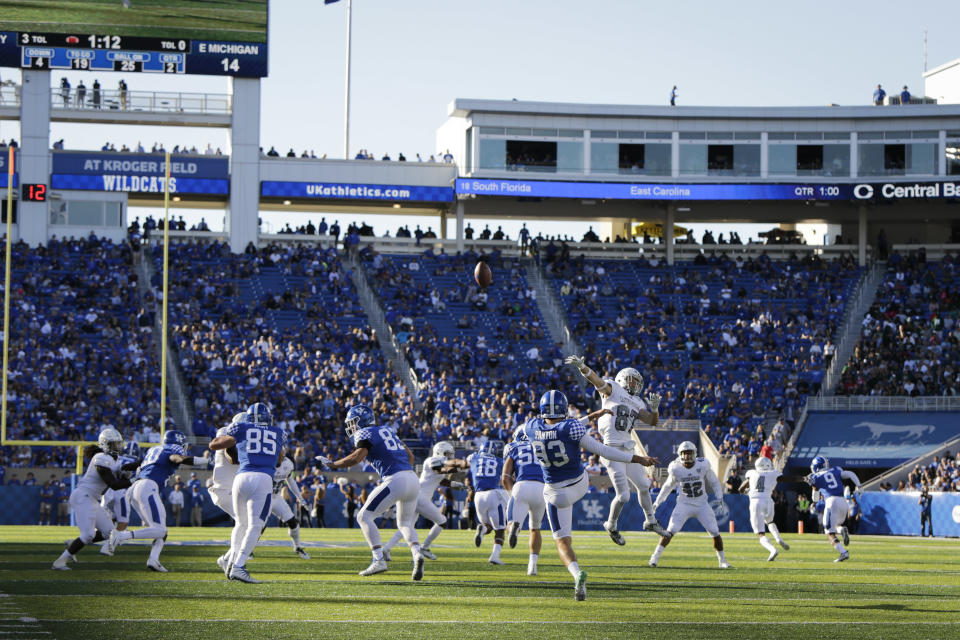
[
  {"x": 884, "y": 403},
  {"x": 9, "y": 94},
  {"x": 113, "y": 100}
]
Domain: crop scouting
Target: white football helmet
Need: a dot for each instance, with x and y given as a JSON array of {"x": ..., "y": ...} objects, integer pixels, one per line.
[
  {"x": 110, "y": 441},
  {"x": 444, "y": 449},
  {"x": 240, "y": 417},
  {"x": 763, "y": 463},
  {"x": 687, "y": 452},
  {"x": 630, "y": 379}
]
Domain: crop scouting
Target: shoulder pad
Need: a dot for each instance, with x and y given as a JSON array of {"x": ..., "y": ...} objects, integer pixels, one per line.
[{"x": 701, "y": 460}]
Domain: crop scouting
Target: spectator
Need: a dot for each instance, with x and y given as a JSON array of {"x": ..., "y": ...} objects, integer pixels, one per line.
[
  {"x": 926, "y": 503},
  {"x": 176, "y": 500},
  {"x": 673, "y": 96},
  {"x": 878, "y": 96},
  {"x": 196, "y": 506},
  {"x": 65, "y": 91},
  {"x": 81, "y": 94},
  {"x": 96, "y": 94},
  {"x": 905, "y": 96},
  {"x": 122, "y": 91}
]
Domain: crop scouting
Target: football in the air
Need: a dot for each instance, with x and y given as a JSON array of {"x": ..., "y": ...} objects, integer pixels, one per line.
[{"x": 483, "y": 275}]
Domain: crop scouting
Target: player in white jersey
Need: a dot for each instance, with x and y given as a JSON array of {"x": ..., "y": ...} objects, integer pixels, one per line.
[
  {"x": 103, "y": 471},
  {"x": 283, "y": 477},
  {"x": 761, "y": 481},
  {"x": 621, "y": 396},
  {"x": 692, "y": 476},
  {"x": 224, "y": 471},
  {"x": 434, "y": 474}
]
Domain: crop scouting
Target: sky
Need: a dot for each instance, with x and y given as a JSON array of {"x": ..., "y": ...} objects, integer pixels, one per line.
[{"x": 412, "y": 58}]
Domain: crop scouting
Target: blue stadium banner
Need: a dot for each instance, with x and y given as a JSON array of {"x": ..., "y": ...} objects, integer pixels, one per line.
[
  {"x": 140, "y": 173},
  {"x": 353, "y": 191},
  {"x": 863, "y": 440},
  {"x": 3, "y": 182},
  {"x": 4, "y": 157},
  {"x": 897, "y": 513}
]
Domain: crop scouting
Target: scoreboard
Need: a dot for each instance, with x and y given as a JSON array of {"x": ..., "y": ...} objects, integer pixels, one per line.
[{"x": 107, "y": 52}]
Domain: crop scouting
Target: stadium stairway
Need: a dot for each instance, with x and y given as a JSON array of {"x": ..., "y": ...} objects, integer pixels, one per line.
[
  {"x": 377, "y": 318},
  {"x": 181, "y": 407},
  {"x": 849, "y": 332},
  {"x": 895, "y": 475}
]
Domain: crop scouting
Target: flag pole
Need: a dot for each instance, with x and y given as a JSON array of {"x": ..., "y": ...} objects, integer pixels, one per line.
[
  {"x": 6, "y": 294},
  {"x": 346, "y": 106}
]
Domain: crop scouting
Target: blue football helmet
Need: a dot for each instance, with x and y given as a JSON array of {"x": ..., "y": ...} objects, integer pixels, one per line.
[
  {"x": 360, "y": 416},
  {"x": 132, "y": 450},
  {"x": 519, "y": 435},
  {"x": 175, "y": 437},
  {"x": 553, "y": 404},
  {"x": 491, "y": 448},
  {"x": 259, "y": 414},
  {"x": 818, "y": 464}
]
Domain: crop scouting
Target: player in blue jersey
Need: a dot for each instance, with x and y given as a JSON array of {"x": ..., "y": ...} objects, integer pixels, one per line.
[
  {"x": 827, "y": 481},
  {"x": 557, "y": 441},
  {"x": 259, "y": 444},
  {"x": 523, "y": 478},
  {"x": 489, "y": 499},
  {"x": 399, "y": 485},
  {"x": 159, "y": 464}
]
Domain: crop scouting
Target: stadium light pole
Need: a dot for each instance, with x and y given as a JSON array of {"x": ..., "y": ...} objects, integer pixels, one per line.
[{"x": 346, "y": 105}]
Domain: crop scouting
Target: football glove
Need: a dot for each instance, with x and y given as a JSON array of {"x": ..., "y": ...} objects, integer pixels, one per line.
[
  {"x": 325, "y": 462},
  {"x": 457, "y": 485},
  {"x": 576, "y": 361},
  {"x": 653, "y": 402},
  {"x": 720, "y": 508}
]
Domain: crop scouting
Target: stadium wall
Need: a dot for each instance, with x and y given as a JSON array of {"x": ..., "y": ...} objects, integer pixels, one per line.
[{"x": 899, "y": 514}]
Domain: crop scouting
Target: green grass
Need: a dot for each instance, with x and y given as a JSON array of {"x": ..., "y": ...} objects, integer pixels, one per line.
[
  {"x": 236, "y": 20},
  {"x": 891, "y": 588}
]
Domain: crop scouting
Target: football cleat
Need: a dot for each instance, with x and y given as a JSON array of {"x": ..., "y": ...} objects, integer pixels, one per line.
[
  {"x": 657, "y": 529},
  {"x": 302, "y": 553},
  {"x": 240, "y": 573},
  {"x": 653, "y": 563},
  {"x": 377, "y": 566},
  {"x": 773, "y": 555},
  {"x": 614, "y": 534},
  {"x": 843, "y": 556},
  {"x": 60, "y": 564},
  {"x": 112, "y": 543},
  {"x": 417, "y": 574},
  {"x": 477, "y": 539},
  {"x": 580, "y": 587},
  {"x": 512, "y": 539},
  {"x": 724, "y": 565},
  {"x": 531, "y": 571},
  {"x": 386, "y": 555},
  {"x": 846, "y": 536},
  {"x": 493, "y": 560},
  {"x": 429, "y": 555},
  {"x": 156, "y": 566},
  {"x": 784, "y": 545},
  {"x": 105, "y": 549},
  {"x": 222, "y": 563},
  {"x": 66, "y": 545}
]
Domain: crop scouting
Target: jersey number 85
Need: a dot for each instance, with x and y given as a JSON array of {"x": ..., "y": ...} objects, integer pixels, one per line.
[{"x": 261, "y": 442}]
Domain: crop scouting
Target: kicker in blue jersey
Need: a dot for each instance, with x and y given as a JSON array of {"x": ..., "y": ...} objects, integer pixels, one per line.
[{"x": 557, "y": 447}]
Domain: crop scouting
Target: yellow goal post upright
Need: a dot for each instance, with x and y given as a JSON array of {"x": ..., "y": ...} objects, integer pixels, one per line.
[{"x": 8, "y": 269}]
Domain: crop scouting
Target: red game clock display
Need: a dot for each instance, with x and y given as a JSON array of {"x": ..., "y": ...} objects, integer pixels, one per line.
[{"x": 35, "y": 192}]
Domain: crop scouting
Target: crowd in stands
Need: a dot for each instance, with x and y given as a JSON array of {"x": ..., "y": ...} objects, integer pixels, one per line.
[
  {"x": 941, "y": 474},
  {"x": 81, "y": 351},
  {"x": 732, "y": 343},
  {"x": 910, "y": 339}
]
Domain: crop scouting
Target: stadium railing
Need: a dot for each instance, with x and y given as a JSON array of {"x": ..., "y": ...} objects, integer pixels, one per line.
[
  {"x": 898, "y": 473},
  {"x": 883, "y": 403},
  {"x": 160, "y": 101}
]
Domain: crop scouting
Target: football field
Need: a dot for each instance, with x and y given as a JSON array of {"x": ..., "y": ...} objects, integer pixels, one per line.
[{"x": 891, "y": 588}]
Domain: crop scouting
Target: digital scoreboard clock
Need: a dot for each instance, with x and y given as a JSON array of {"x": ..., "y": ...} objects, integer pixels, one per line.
[{"x": 33, "y": 192}]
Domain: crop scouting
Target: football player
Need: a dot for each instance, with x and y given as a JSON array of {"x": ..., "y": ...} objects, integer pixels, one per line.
[
  {"x": 489, "y": 499},
  {"x": 283, "y": 477},
  {"x": 115, "y": 501},
  {"x": 691, "y": 477},
  {"x": 259, "y": 443},
  {"x": 394, "y": 462},
  {"x": 103, "y": 471},
  {"x": 761, "y": 481},
  {"x": 224, "y": 471},
  {"x": 432, "y": 476},
  {"x": 159, "y": 464},
  {"x": 557, "y": 441},
  {"x": 827, "y": 483},
  {"x": 621, "y": 396},
  {"x": 523, "y": 478}
]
